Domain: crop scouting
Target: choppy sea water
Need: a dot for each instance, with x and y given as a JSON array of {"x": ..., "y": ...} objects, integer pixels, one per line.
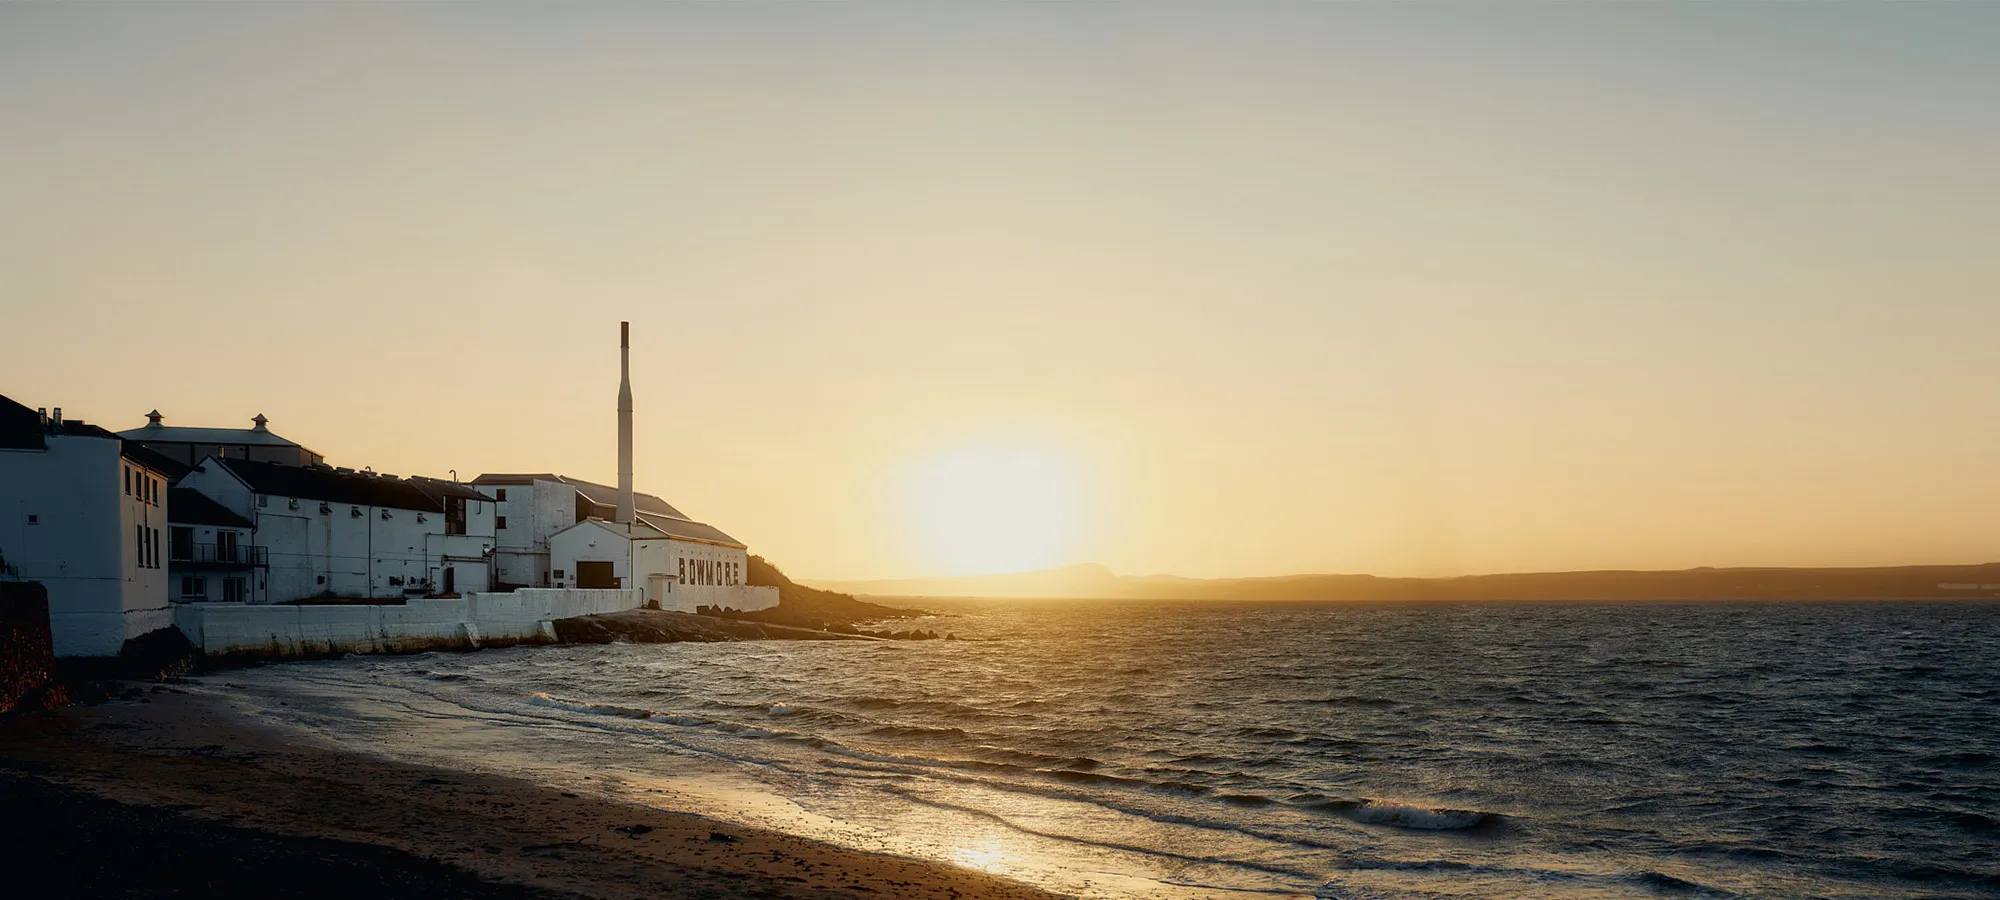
[{"x": 1133, "y": 749}]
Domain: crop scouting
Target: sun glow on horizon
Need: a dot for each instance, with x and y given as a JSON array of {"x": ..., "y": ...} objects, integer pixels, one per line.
[{"x": 994, "y": 509}]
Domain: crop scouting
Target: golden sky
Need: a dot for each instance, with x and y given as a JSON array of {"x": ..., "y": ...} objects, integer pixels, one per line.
[{"x": 1212, "y": 290}]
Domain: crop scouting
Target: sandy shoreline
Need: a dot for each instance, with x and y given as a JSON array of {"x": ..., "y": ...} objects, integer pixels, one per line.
[{"x": 195, "y": 761}]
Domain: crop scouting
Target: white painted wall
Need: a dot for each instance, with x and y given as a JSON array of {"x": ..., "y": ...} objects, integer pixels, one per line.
[
  {"x": 591, "y": 541},
  {"x": 306, "y": 630},
  {"x": 207, "y": 579},
  {"x": 534, "y": 513},
  {"x": 675, "y": 574},
  {"x": 351, "y": 550},
  {"x": 84, "y": 542}
]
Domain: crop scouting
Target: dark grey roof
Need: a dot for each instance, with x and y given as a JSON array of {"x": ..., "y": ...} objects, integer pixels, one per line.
[
  {"x": 167, "y": 434},
  {"x": 684, "y": 528},
  {"x": 516, "y": 478},
  {"x": 441, "y": 487},
  {"x": 187, "y": 506},
  {"x": 323, "y": 483},
  {"x": 603, "y": 499},
  {"x": 20, "y": 427},
  {"x": 597, "y": 494},
  {"x": 172, "y": 468}
]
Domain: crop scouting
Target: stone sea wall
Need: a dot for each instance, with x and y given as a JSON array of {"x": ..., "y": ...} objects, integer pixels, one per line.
[
  {"x": 282, "y": 631},
  {"x": 27, "y": 650}
]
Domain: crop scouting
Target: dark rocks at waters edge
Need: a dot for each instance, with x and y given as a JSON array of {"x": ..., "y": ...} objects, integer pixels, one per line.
[
  {"x": 60, "y": 842},
  {"x": 652, "y": 626}
]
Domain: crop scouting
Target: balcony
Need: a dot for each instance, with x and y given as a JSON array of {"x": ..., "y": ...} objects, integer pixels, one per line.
[{"x": 220, "y": 556}]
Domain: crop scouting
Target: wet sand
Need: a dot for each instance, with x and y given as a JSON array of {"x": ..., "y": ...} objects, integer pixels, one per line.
[{"x": 217, "y": 806}]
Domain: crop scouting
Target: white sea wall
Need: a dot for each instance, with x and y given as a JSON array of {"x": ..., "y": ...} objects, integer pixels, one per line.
[{"x": 287, "y": 630}]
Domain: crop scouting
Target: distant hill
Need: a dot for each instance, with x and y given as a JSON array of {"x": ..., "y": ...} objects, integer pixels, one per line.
[
  {"x": 1094, "y": 581},
  {"x": 807, "y": 607}
]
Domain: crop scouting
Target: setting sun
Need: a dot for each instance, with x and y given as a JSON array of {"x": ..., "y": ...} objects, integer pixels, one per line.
[{"x": 994, "y": 509}]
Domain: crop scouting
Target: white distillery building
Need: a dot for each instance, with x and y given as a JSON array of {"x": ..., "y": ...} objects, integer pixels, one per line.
[
  {"x": 555, "y": 531},
  {"x": 326, "y": 532},
  {"x": 84, "y": 513},
  {"x": 211, "y": 551},
  {"x": 189, "y": 446}
]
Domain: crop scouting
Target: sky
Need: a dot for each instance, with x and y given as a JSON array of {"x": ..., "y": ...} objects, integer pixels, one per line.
[{"x": 1215, "y": 289}]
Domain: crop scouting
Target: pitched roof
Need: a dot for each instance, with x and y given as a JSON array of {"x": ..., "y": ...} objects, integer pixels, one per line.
[
  {"x": 597, "y": 494},
  {"x": 187, "y": 506},
  {"x": 20, "y": 427},
  {"x": 692, "y": 530},
  {"x": 168, "y": 466},
  {"x": 650, "y": 510},
  {"x": 333, "y": 485},
  {"x": 444, "y": 487},
  {"x": 173, "y": 434}
]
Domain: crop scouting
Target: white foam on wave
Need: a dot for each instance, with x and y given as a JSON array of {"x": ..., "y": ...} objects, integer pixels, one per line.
[
  {"x": 1376, "y": 812},
  {"x": 541, "y": 698}
]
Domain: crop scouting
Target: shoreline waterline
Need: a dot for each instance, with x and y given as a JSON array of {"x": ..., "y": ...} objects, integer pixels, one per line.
[{"x": 191, "y": 750}]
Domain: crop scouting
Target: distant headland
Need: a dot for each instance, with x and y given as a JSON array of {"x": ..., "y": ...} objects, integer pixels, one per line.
[{"x": 1092, "y": 581}]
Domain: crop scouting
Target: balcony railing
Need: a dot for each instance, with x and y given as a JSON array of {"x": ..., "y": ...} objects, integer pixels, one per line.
[{"x": 216, "y": 554}]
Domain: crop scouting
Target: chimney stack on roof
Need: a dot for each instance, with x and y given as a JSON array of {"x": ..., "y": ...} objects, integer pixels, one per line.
[
  {"x": 625, "y": 503},
  {"x": 153, "y": 419},
  {"x": 260, "y": 422}
]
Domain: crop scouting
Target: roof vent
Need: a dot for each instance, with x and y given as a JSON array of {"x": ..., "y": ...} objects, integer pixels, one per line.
[
  {"x": 260, "y": 422},
  {"x": 153, "y": 419}
]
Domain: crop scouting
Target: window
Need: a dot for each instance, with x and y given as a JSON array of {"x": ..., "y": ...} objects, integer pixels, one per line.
[
  {"x": 153, "y": 537},
  {"x": 500, "y": 495},
  {"x": 181, "y": 543},
  {"x": 194, "y": 587},
  {"x": 559, "y": 573},
  {"x": 139, "y": 542},
  {"x": 235, "y": 590},
  {"x": 499, "y": 522},
  {"x": 263, "y": 499},
  {"x": 34, "y": 519},
  {"x": 128, "y": 481},
  {"x": 454, "y": 515}
]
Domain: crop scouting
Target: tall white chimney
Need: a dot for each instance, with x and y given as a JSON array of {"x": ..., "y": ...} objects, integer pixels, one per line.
[{"x": 625, "y": 423}]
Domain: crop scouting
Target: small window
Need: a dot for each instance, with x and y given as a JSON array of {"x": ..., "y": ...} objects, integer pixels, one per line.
[
  {"x": 499, "y": 522},
  {"x": 322, "y": 580},
  {"x": 34, "y": 519},
  {"x": 128, "y": 481},
  {"x": 559, "y": 573},
  {"x": 500, "y": 495},
  {"x": 194, "y": 587}
]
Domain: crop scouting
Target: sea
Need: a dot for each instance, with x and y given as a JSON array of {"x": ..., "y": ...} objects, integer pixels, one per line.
[{"x": 1329, "y": 750}]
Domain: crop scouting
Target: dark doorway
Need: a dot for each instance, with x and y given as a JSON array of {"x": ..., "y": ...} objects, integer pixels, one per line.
[
  {"x": 595, "y": 575},
  {"x": 450, "y": 579}
]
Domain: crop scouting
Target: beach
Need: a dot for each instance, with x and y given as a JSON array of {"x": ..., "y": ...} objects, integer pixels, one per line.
[{"x": 165, "y": 792}]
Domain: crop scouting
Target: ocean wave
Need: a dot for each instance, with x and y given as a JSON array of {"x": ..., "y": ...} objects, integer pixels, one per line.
[
  {"x": 542, "y": 698},
  {"x": 1398, "y": 815}
]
